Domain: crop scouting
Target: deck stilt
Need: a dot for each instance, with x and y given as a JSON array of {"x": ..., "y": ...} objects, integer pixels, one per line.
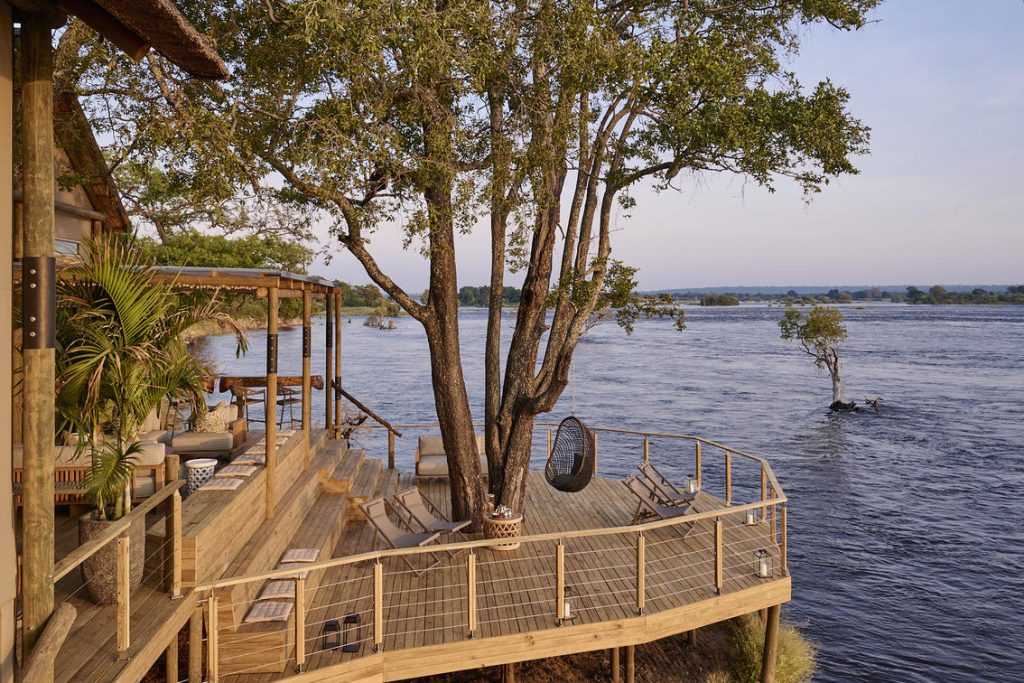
[
  {"x": 691, "y": 638},
  {"x": 171, "y": 660},
  {"x": 616, "y": 667},
  {"x": 509, "y": 674},
  {"x": 771, "y": 642},
  {"x": 630, "y": 664},
  {"x": 195, "y": 646}
]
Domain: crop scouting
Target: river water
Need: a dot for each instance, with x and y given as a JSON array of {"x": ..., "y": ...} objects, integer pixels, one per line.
[{"x": 905, "y": 525}]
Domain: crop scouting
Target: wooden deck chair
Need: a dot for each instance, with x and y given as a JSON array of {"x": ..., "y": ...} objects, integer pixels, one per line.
[
  {"x": 426, "y": 514},
  {"x": 376, "y": 512},
  {"x": 664, "y": 488},
  {"x": 647, "y": 506}
]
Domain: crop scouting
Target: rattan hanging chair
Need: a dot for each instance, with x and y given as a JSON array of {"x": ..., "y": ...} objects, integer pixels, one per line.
[{"x": 571, "y": 461}]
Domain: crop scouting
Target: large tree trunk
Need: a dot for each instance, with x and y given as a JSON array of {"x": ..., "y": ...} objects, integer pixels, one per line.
[
  {"x": 510, "y": 488},
  {"x": 837, "y": 388}
]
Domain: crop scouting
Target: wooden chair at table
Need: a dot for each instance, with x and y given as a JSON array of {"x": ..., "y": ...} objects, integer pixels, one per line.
[
  {"x": 665, "y": 489},
  {"x": 427, "y": 515},
  {"x": 376, "y": 512}
]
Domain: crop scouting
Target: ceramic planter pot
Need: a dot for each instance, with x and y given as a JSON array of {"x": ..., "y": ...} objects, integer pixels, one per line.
[{"x": 100, "y": 570}]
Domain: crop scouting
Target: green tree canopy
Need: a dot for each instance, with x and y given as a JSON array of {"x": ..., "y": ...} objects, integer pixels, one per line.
[{"x": 820, "y": 334}]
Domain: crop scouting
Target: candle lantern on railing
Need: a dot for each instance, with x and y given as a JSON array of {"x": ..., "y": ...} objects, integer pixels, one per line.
[
  {"x": 567, "y": 597},
  {"x": 350, "y": 631},
  {"x": 751, "y": 518},
  {"x": 691, "y": 484},
  {"x": 762, "y": 564}
]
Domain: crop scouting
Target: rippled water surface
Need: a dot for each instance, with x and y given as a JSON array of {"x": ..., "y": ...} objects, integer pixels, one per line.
[{"x": 905, "y": 525}]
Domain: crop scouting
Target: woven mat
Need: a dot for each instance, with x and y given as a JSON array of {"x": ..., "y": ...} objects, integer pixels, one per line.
[
  {"x": 278, "y": 590},
  {"x": 269, "y": 611},
  {"x": 300, "y": 555},
  {"x": 225, "y": 484},
  {"x": 250, "y": 459},
  {"x": 236, "y": 471}
]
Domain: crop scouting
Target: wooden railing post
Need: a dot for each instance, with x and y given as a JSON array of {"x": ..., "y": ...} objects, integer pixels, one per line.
[
  {"x": 719, "y": 578},
  {"x": 773, "y": 532},
  {"x": 175, "y": 525},
  {"x": 559, "y": 582},
  {"x": 471, "y": 592},
  {"x": 764, "y": 492},
  {"x": 300, "y": 624},
  {"x": 329, "y": 364},
  {"x": 782, "y": 544},
  {"x": 697, "y": 464},
  {"x": 378, "y": 606},
  {"x": 728, "y": 478},
  {"x": 172, "y": 544},
  {"x": 212, "y": 644},
  {"x": 124, "y": 608},
  {"x": 549, "y": 442},
  {"x": 595, "y": 453},
  {"x": 641, "y": 579},
  {"x": 647, "y": 450},
  {"x": 391, "y": 450}
]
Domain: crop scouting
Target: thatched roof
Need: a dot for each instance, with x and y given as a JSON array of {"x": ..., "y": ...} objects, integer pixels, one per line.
[
  {"x": 74, "y": 135},
  {"x": 136, "y": 25}
]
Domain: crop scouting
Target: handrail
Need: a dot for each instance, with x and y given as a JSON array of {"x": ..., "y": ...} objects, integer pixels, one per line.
[
  {"x": 359, "y": 404},
  {"x": 83, "y": 552},
  {"x": 489, "y": 542}
]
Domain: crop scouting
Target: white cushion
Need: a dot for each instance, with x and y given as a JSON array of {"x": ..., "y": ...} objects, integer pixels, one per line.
[
  {"x": 159, "y": 435},
  {"x": 197, "y": 442}
]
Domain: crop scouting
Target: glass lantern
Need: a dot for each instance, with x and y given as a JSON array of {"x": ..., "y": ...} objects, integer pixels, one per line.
[
  {"x": 691, "y": 484},
  {"x": 567, "y": 595},
  {"x": 762, "y": 564},
  {"x": 330, "y": 635},
  {"x": 751, "y": 518}
]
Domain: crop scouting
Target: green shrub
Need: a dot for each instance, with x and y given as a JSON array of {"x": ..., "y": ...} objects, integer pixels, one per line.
[{"x": 794, "y": 662}]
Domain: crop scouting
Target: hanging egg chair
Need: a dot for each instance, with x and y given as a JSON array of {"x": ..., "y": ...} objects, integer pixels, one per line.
[{"x": 571, "y": 461}]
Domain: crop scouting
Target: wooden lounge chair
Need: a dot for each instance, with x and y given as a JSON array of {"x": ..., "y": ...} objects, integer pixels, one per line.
[
  {"x": 648, "y": 505},
  {"x": 376, "y": 512},
  {"x": 665, "y": 489},
  {"x": 426, "y": 514}
]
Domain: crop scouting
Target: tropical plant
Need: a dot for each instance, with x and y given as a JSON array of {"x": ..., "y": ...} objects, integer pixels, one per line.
[{"x": 120, "y": 351}]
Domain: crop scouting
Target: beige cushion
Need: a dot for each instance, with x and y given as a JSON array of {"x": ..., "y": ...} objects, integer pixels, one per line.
[
  {"x": 193, "y": 442},
  {"x": 433, "y": 445},
  {"x": 433, "y": 465},
  {"x": 153, "y": 454},
  {"x": 159, "y": 435},
  {"x": 145, "y": 485}
]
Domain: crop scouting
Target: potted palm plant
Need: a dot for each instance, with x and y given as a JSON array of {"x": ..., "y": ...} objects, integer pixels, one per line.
[{"x": 120, "y": 351}]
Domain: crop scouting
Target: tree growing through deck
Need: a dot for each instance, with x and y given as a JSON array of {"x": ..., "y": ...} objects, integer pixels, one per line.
[
  {"x": 539, "y": 118},
  {"x": 820, "y": 334}
]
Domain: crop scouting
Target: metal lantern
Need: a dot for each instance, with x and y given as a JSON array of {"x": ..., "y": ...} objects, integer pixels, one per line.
[
  {"x": 762, "y": 564},
  {"x": 691, "y": 484},
  {"x": 349, "y": 633},
  {"x": 751, "y": 518},
  {"x": 330, "y": 635}
]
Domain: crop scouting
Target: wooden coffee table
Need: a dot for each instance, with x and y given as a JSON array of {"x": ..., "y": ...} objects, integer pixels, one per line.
[{"x": 503, "y": 527}]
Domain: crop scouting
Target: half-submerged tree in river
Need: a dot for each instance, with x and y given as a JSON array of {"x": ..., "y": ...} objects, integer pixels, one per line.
[
  {"x": 819, "y": 334},
  {"x": 537, "y": 117}
]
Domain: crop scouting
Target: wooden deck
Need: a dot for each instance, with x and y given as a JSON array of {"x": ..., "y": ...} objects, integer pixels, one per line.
[{"x": 425, "y": 617}]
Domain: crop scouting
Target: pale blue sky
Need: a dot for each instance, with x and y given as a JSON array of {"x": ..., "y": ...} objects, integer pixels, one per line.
[{"x": 939, "y": 199}]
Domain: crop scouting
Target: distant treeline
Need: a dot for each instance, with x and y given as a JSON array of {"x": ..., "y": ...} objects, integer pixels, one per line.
[
  {"x": 913, "y": 295},
  {"x": 480, "y": 296}
]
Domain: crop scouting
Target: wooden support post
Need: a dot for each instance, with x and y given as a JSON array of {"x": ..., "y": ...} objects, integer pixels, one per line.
[
  {"x": 378, "y": 606},
  {"x": 271, "y": 405},
  {"x": 692, "y": 638},
  {"x": 771, "y": 643},
  {"x": 509, "y": 673},
  {"x": 391, "y": 450},
  {"x": 782, "y": 543},
  {"x": 772, "y": 531},
  {"x": 300, "y": 624},
  {"x": 171, "y": 660},
  {"x": 559, "y": 583},
  {"x": 764, "y": 493},
  {"x": 307, "y": 382},
  {"x": 697, "y": 465},
  {"x": 172, "y": 546},
  {"x": 39, "y": 664},
  {"x": 630, "y": 664},
  {"x": 595, "y": 453},
  {"x": 329, "y": 364},
  {"x": 641, "y": 578},
  {"x": 471, "y": 592},
  {"x": 175, "y": 532},
  {"x": 38, "y": 310},
  {"x": 728, "y": 478},
  {"x": 718, "y": 555},
  {"x": 647, "y": 450},
  {"x": 549, "y": 442},
  {"x": 212, "y": 636},
  {"x": 124, "y": 607},
  {"x": 616, "y": 667},
  {"x": 195, "y": 645},
  {"x": 337, "y": 364}
]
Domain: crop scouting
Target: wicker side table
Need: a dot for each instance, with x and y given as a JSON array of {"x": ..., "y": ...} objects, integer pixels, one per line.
[{"x": 502, "y": 527}]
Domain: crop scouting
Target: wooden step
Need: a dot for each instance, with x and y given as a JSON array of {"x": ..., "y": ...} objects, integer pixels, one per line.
[
  {"x": 364, "y": 487},
  {"x": 340, "y": 480}
]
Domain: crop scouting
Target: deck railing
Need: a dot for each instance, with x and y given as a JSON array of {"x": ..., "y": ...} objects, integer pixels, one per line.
[
  {"x": 162, "y": 565},
  {"x": 590, "y": 575}
]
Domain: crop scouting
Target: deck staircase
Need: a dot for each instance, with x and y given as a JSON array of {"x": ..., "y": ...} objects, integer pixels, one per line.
[{"x": 313, "y": 514}]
